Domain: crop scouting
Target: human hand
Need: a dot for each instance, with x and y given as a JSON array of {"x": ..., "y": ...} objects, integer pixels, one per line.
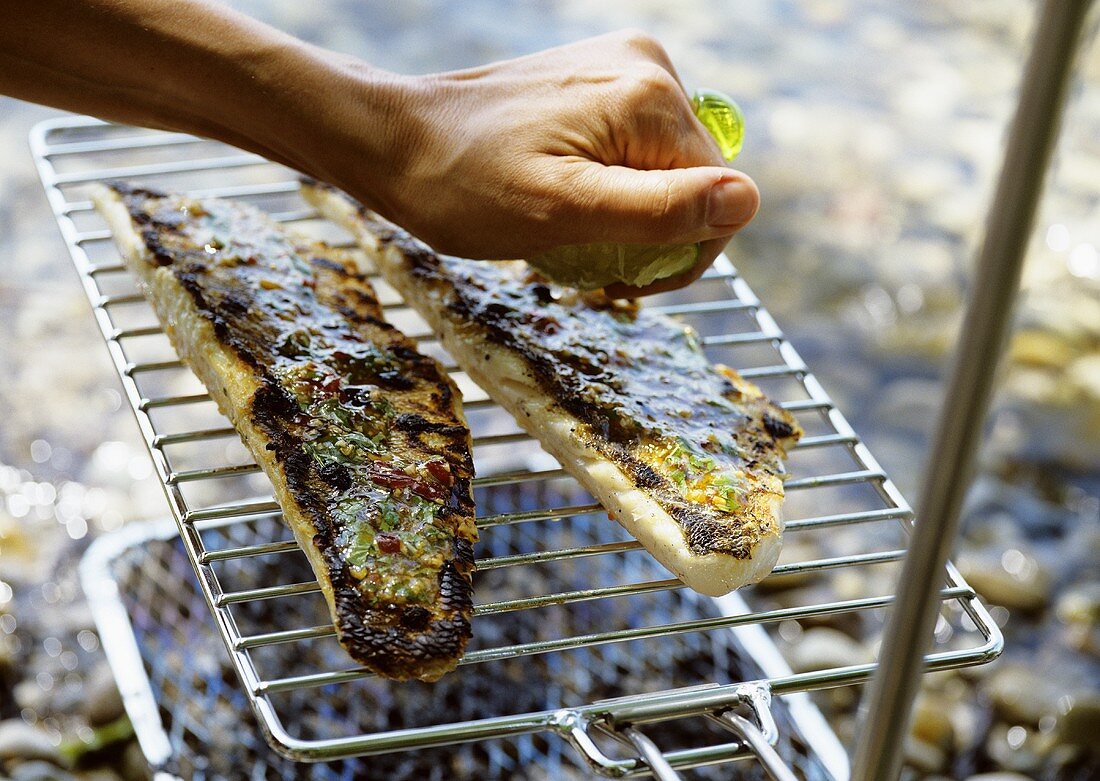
[
  {"x": 591, "y": 142},
  {"x": 587, "y": 143}
]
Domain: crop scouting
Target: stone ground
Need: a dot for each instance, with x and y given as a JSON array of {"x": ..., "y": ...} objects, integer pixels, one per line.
[{"x": 875, "y": 132}]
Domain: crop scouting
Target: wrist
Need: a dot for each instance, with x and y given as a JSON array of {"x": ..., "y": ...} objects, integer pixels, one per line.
[{"x": 338, "y": 120}]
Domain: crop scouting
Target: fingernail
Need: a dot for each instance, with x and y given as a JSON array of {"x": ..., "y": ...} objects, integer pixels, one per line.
[{"x": 731, "y": 204}]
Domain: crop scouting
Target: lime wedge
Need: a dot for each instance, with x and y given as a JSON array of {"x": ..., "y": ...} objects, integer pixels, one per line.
[{"x": 592, "y": 266}]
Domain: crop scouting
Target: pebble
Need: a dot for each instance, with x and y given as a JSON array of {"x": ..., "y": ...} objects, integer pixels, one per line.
[
  {"x": 957, "y": 158},
  {"x": 40, "y": 771},
  {"x": 100, "y": 774},
  {"x": 820, "y": 648},
  {"x": 7, "y": 659},
  {"x": 924, "y": 756},
  {"x": 134, "y": 765},
  {"x": 19, "y": 740},
  {"x": 1080, "y": 604},
  {"x": 30, "y": 695},
  {"x": 842, "y": 699},
  {"x": 1027, "y": 587},
  {"x": 103, "y": 703},
  {"x": 1079, "y": 610},
  {"x": 932, "y": 721},
  {"x": 1022, "y": 696},
  {"x": 1080, "y": 725},
  {"x": 1041, "y": 348},
  {"x": 1018, "y": 753},
  {"x": 1085, "y": 374}
]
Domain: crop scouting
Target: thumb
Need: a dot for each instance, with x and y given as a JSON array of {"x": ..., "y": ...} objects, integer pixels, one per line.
[{"x": 681, "y": 205}]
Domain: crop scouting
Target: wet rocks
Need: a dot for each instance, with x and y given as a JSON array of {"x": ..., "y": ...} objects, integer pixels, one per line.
[
  {"x": 1079, "y": 610},
  {"x": 1021, "y": 695},
  {"x": 866, "y": 241},
  {"x": 134, "y": 765},
  {"x": 40, "y": 771},
  {"x": 1015, "y": 748},
  {"x": 20, "y": 741},
  {"x": 932, "y": 722},
  {"x": 820, "y": 648},
  {"x": 1014, "y": 579},
  {"x": 1079, "y": 726},
  {"x": 924, "y": 757},
  {"x": 102, "y": 702}
]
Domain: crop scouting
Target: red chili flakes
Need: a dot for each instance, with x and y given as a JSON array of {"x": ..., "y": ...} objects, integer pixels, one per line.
[
  {"x": 439, "y": 470},
  {"x": 392, "y": 478},
  {"x": 386, "y": 475},
  {"x": 388, "y": 543}
]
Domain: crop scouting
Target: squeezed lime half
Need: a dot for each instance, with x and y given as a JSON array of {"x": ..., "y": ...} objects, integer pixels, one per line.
[{"x": 592, "y": 266}]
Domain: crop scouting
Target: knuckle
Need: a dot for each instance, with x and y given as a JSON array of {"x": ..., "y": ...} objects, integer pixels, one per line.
[
  {"x": 650, "y": 79},
  {"x": 643, "y": 43},
  {"x": 639, "y": 39}
]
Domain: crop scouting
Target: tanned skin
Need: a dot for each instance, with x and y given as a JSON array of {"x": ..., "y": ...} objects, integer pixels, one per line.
[{"x": 590, "y": 142}]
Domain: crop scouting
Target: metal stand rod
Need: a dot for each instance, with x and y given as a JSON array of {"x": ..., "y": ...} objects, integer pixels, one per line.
[{"x": 909, "y": 629}]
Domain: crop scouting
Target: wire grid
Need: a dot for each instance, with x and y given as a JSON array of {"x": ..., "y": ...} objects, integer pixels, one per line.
[{"x": 549, "y": 589}]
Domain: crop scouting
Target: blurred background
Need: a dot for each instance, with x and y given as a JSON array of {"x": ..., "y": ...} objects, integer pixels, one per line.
[{"x": 875, "y": 131}]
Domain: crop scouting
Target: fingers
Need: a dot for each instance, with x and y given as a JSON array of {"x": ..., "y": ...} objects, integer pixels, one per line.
[
  {"x": 678, "y": 206},
  {"x": 707, "y": 254}
]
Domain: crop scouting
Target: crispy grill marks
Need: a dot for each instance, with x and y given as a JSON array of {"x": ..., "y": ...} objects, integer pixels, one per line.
[
  {"x": 362, "y": 424},
  {"x": 704, "y": 443}
]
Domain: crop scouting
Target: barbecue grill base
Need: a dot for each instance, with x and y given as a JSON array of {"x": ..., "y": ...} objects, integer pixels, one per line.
[{"x": 193, "y": 721}]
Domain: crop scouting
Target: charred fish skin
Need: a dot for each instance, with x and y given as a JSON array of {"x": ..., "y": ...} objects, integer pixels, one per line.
[
  {"x": 686, "y": 454},
  {"x": 363, "y": 437}
]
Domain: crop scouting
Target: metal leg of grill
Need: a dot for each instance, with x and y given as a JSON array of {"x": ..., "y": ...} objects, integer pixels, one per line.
[
  {"x": 1008, "y": 226},
  {"x": 756, "y": 739},
  {"x": 652, "y": 755}
]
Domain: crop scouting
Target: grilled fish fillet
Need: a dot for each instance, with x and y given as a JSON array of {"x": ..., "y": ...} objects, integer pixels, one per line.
[
  {"x": 363, "y": 437},
  {"x": 686, "y": 455}
]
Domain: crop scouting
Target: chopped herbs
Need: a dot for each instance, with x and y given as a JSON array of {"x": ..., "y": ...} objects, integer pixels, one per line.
[
  {"x": 642, "y": 383},
  {"x": 393, "y": 548},
  {"x": 386, "y": 504}
]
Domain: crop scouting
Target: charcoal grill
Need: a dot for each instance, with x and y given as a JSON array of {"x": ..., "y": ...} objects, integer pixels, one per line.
[
  {"x": 561, "y": 587},
  {"x": 154, "y": 626}
]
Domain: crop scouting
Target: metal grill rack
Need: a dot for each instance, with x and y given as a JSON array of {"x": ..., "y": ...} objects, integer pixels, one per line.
[{"x": 556, "y": 580}]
